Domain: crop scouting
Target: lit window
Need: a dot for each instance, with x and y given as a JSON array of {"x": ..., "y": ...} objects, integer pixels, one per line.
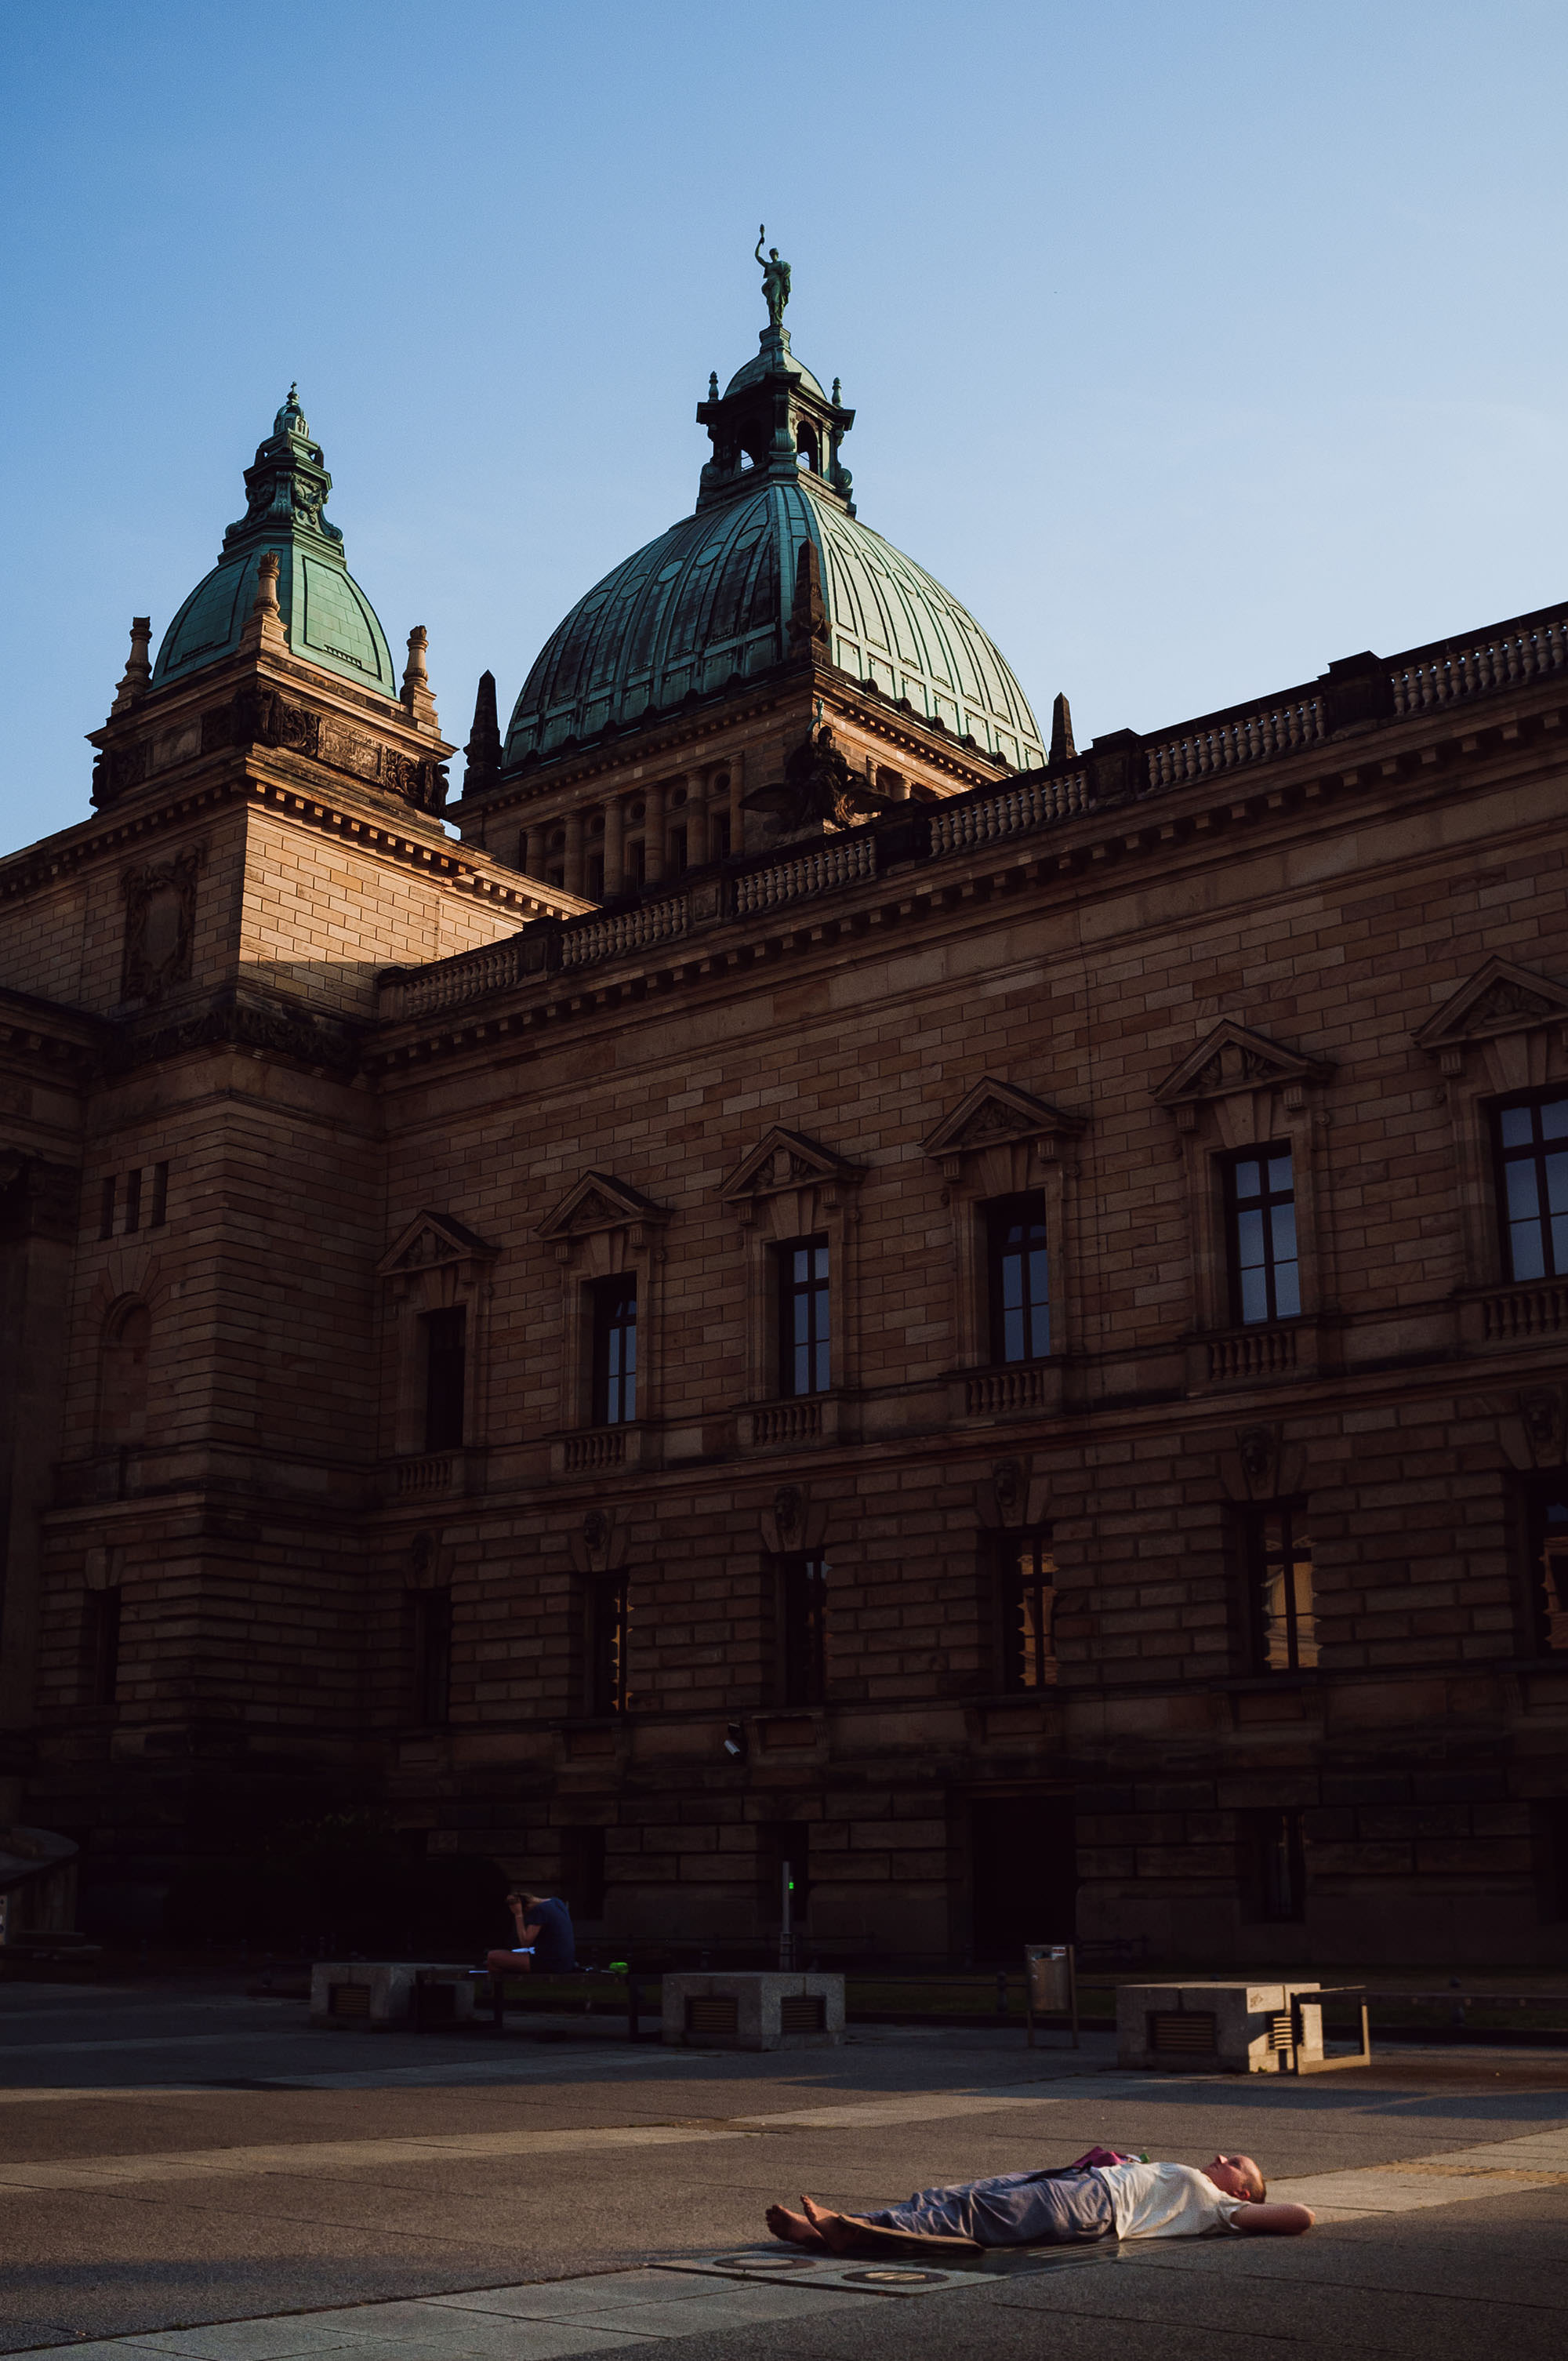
[
  {"x": 1533, "y": 1157},
  {"x": 1279, "y": 1569},
  {"x": 804, "y": 1317},
  {"x": 1260, "y": 1214},
  {"x": 1026, "y": 1568}
]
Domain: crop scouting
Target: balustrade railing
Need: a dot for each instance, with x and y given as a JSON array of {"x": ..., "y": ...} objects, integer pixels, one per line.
[
  {"x": 790, "y": 1421},
  {"x": 1031, "y": 803},
  {"x": 1252, "y": 1353},
  {"x": 1442, "y": 675},
  {"x": 625, "y": 930},
  {"x": 844, "y": 863},
  {"x": 603, "y": 1447},
  {"x": 1229, "y": 740},
  {"x": 431, "y": 1474},
  {"x": 1521, "y": 1312},
  {"x": 988, "y": 1392}
]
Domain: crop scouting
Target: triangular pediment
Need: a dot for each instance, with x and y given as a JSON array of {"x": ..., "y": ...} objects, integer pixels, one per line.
[
  {"x": 786, "y": 1159},
  {"x": 1499, "y": 998},
  {"x": 1234, "y": 1058},
  {"x": 431, "y": 1238},
  {"x": 992, "y": 1113},
  {"x": 600, "y": 1202}
]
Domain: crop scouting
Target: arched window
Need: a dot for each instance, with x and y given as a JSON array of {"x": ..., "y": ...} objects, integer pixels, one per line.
[
  {"x": 805, "y": 450},
  {"x": 122, "y": 1377}
]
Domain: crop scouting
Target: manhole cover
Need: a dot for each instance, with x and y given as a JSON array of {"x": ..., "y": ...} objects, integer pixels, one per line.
[
  {"x": 896, "y": 2276},
  {"x": 769, "y": 2263}
]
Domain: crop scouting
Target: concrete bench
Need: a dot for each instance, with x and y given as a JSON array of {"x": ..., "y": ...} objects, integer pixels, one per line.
[
  {"x": 773, "y": 2009},
  {"x": 1232, "y": 2028},
  {"x": 390, "y": 1995}
]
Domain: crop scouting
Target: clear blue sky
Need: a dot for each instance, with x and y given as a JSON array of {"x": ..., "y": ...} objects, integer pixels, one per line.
[{"x": 1192, "y": 346}]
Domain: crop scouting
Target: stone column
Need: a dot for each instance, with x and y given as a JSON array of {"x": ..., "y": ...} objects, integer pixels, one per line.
[
  {"x": 614, "y": 848},
  {"x": 653, "y": 834},
  {"x": 737, "y": 816},
  {"x": 573, "y": 879},
  {"x": 529, "y": 852}
]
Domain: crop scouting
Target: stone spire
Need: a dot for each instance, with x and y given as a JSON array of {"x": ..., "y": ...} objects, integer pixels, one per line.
[
  {"x": 137, "y": 676},
  {"x": 417, "y": 699},
  {"x": 483, "y": 752},
  {"x": 1062, "y": 747}
]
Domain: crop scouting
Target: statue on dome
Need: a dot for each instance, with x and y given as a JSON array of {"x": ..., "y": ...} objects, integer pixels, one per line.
[{"x": 775, "y": 280}]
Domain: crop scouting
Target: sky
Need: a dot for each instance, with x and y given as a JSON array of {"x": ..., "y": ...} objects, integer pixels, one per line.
[{"x": 1191, "y": 345}]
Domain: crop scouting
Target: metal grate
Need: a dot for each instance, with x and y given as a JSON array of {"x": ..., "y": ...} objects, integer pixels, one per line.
[
  {"x": 1279, "y": 2034},
  {"x": 348, "y": 2000},
  {"x": 1180, "y": 2036},
  {"x": 803, "y": 2013},
  {"x": 717, "y": 2015}
]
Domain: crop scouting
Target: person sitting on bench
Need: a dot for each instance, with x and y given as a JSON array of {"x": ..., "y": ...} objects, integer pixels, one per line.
[
  {"x": 1116, "y": 2197},
  {"x": 545, "y": 1943}
]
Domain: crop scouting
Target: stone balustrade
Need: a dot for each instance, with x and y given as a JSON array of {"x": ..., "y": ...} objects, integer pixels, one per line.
[
  {"x": 1030, "y": 803},
  {"x": 1444, "y": 674},
  {"x": 1228, "y": 741}
]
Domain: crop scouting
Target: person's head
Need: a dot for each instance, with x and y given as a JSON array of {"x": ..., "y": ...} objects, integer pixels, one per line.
[
  {"x": 1238, "y": 2176},
  {"x": 525, "y": 1900}
]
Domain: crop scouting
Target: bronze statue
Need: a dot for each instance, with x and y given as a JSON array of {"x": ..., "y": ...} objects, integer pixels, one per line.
[{"x": 775, "y": 280}]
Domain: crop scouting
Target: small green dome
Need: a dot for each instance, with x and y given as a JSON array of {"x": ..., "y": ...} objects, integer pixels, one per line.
[
  {"x": 326, "y": 617},
  {"x": 709, "y": 601}
]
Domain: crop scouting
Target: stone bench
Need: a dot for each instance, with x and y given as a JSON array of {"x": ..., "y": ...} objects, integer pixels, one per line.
[
  {"x": 1231, "y": 2028},
  {"x": 390, "y": 1995},
  {"x": 773, "y": 2009}
]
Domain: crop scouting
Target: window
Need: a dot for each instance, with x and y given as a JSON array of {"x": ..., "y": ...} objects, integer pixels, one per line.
[
  {"x": 431, "y": 1657},
  {"x": 594, "y": 888},
  {"x": 803, "y": 1628},
  {"x": 101, "y": 1650},
  {"x": 1018, "y": 1276},
  {"x": 676, "y": 859},
  {"x": 636, "y": 871},
  {"x": 1273, "y": 1870},
  {"x": 718, "y": 836},
  {"x": 446, "y": 1355},
  {"x": 804, "y": 1355},
  {"x": 106, "y": 1207},
  {"x": 1260, "y": 1237},
  {"x": 160, "y": 1196},
  {"x": 122, "y": 1378},
  {"x": 133, "y": 1202},
  {"x": 1026, "y": 1571},
  {"x": 609, "y": 1646},
  {"x": 1547, "y": 1527},
  {"x": 615, "y": 1350},
  {"x": 1532, "y": 1187},
  {"x": 1279, "y": 1577}
]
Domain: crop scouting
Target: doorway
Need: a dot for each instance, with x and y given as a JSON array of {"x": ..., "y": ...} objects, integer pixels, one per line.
[{"x": 1023, "y": 1870}]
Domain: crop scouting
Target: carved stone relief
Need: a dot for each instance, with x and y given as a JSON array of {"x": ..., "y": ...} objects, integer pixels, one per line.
[{"x": 161, "y": 924}]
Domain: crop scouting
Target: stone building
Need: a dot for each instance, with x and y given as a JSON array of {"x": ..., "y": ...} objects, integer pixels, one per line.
[{"x": 828, "y": 1280}]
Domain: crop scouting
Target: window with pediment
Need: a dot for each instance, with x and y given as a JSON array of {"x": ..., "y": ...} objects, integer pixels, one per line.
[
  {"x": 796, "y": 1203},
  {"x": 609, "y": 1243},
  {"x": 1248, "y": 1116},
  {"x": 1500, "y": 1043},
  {"x": 436, "y": 1276},
  {"x": 1007, "y": 1160}
]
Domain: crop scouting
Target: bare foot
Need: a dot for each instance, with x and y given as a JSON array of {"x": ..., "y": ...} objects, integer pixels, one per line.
[
  {"x": 838, "y": 2231},
  {"x": 794, "y": 2228}
]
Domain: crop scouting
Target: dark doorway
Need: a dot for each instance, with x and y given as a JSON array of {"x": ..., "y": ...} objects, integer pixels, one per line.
[{"x": 1024, "y": 1857}]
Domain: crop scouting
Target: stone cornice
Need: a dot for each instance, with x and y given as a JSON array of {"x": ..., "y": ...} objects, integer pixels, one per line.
[{"x": 1404, "y": 763}]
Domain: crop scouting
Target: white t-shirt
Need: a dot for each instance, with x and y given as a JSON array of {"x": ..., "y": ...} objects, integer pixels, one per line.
[{"x": 1166, "y": 2201}]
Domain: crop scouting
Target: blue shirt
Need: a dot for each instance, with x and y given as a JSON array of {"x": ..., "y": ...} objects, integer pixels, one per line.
[{"x": 556, "y": 1945}]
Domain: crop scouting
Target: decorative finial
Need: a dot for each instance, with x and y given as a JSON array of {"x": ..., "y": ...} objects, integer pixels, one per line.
[
  {"x": 713, "y": 385},
  {"x": 775, "y": 280},
  {"x": 264, "y": 630},
  {"x": 137, "y": 674},
  {"x": 417, "y": 699},
  {"x": 836, "y": 394}
]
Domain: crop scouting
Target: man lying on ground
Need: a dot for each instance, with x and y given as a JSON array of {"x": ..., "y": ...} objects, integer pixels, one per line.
[{"x": 1104, "y": 2195}]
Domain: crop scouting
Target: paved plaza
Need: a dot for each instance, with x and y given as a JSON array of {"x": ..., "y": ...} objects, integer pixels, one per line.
[{"x": 194, "y": 2172}]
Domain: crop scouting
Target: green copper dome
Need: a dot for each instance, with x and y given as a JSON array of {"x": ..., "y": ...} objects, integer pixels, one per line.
[
  {"x": 326, "y": 617},
  {"x": 709, "y": 601}
]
